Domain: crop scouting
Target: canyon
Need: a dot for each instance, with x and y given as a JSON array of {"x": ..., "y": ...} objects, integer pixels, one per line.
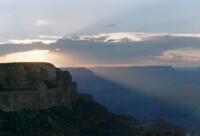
[{"x": 38, "y": 99}]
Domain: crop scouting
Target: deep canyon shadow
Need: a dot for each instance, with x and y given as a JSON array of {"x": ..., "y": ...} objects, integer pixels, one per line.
[{"x": 129, "y": 101}]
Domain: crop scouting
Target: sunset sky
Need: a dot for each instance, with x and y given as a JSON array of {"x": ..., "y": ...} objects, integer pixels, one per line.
[{"x": 101, "y": 22}]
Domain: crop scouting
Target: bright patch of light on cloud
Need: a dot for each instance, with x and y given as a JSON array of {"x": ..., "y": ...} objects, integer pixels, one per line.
[
  {"x": 45, "y": 39},
  {"x": 115, "y": 37},
  {"x": 129, "y": 37},
  {"x": 186, "y": 35},
  {"x": 181, "y": 54},
  {"x": 30, "y": 41}
]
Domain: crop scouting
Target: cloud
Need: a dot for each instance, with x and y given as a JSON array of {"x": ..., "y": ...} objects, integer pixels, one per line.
[
  {"x": 111, "y": 48},
  {"x": 30, "y": 41},
  {"x": 115, "y": 37},
  {"x": 186, "y": 35},
  {"x": 45, "y": 39},
  {"x": 131, "y": 37},
  {"x": 40, "y": 22},
  {"x": 181, "y": 54}
]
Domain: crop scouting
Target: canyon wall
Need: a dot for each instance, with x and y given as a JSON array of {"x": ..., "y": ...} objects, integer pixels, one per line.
[{"x": 34, "y": 86}]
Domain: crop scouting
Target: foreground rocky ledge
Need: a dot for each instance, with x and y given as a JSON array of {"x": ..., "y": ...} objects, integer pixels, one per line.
[{"x": 37, "y": 99}]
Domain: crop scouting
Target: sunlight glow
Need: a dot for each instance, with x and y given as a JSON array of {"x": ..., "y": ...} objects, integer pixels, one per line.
[
  {"x": 55, "y": 57},
  {"x": 33, "y": 56}
]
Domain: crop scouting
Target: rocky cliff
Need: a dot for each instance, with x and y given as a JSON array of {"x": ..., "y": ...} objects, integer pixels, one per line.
[
  {"x": 34, "y": 86},
  {"x": 37, "y": 99}
]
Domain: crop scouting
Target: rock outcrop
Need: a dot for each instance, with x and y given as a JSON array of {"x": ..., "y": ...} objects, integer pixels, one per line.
[
  {"x": 37, "y": 99},
  {"x": 34, "y": 86}
]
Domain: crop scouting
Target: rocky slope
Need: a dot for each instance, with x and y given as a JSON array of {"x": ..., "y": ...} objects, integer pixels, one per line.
[{"x": 37, "y": 99}]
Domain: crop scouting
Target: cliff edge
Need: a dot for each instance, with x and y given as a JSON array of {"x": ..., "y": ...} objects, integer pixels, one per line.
[
  {"x": 37, "y": 99},
  {"x": 34, "y": 86}
]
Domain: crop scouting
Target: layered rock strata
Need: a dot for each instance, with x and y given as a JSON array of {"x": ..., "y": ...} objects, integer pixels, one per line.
[{"x": 34, "y": 86}]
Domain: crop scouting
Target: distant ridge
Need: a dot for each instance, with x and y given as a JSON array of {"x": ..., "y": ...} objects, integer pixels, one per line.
[{"x": 141, "y": 68}]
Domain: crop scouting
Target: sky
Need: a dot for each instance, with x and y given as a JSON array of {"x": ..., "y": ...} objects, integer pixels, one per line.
[
  {"x": 26, "y": 22},
  {"x": 22, "y": 18}
]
